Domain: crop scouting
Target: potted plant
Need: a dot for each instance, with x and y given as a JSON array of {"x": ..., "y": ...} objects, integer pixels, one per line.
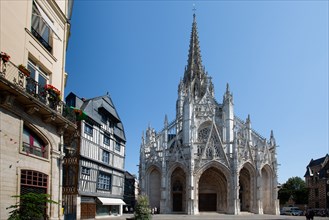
[
  {"x": 24, "y": 70},
  {"x": 54, "y": 95},
  {"x": 4, "y": 57}
]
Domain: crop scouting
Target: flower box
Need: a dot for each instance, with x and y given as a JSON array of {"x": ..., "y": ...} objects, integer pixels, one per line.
[
  {"x": 53, "y": 93},
  {"x": 23, "y": 69}
]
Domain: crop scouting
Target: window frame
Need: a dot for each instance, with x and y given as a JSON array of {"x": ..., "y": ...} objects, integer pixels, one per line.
[
  {"x": 34, "y": 83},
  {"x": 117, "y": 146},
  {"x": 88, "y": 129},
  {"x": 30, "y": 148},
  {"x": 108, "y": 140},
  {"x": 40, "y": 29},
  {"x": 32, "y": 178},
  {"x": 104, "y": 118},
  {"x": 85, "y": 170},
  {"x": 104, "y": 181},
  {"x": 106, "y": 157}
]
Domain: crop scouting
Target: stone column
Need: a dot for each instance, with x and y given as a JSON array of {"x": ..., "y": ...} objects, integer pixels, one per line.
[
  {"x": 190, "y": 192},
  {"x": 234, "y": 201},
  {"x": 259, "y": 194}
]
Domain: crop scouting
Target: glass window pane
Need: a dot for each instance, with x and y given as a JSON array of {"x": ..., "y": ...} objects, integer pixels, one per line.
[
  {"x": 42, "y": 81},
  {"x": 32, "y": 70}
]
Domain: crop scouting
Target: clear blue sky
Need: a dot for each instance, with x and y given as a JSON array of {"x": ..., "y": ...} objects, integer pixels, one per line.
[{"x": 274, "y": 55}]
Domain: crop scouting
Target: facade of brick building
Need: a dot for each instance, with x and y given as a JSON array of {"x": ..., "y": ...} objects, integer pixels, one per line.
[{"x": 317, "y": 182}]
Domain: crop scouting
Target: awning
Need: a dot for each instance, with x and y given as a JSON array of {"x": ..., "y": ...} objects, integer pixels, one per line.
[
  {"x": 47, "y": 20},
  {"x": 111, "y": 201}
]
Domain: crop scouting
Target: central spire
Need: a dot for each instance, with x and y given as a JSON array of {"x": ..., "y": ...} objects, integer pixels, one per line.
[{"x": 194, "y": 68}]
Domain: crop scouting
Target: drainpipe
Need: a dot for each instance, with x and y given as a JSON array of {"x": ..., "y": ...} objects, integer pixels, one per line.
[{"x": 60, "y": 194}]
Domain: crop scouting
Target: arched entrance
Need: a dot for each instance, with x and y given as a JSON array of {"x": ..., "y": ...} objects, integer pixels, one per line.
[
  {"x": 245, "y": 191},
  {"x": 178, "y": 190},
  {"x": 266, "y": 189},
  {"x": 212, "y": 191},
  {"x": 154, "y": 187}
]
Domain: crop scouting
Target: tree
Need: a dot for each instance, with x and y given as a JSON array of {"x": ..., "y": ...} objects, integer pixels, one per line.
[
  {"x": 142, "y": 210},
  {"x": 295, "y": 187},
  {"x": 31, "y": 206}
]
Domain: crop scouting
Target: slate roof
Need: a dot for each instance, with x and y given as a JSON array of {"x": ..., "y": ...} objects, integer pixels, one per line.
[
  {"x": 318, "y": 162},
  {"x": 95, "y": 107}
]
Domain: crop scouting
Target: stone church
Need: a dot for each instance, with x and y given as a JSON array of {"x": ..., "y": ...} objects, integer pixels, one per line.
[{"x": 207, "y": 159}]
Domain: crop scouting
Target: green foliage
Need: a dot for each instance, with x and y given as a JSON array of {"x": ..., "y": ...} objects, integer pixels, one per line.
[
  {"x": 142, "y": 210},
  {"x": 32, "y": 206},
  {"x": 295, "y": 187}
]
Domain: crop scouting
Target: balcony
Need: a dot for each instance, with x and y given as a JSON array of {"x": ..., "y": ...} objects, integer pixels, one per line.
[{"x": 17, "y": 87}]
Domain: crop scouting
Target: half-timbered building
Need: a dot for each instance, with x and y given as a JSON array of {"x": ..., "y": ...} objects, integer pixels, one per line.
[
  {"x": 207, "y": 159},
  {"x": 94, "y": 163}
]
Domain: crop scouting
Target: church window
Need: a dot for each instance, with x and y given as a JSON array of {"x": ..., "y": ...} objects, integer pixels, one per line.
[
  {"x": 209, "y": 152},
  {"x": 32, "y": 144},
  {"x": 203, "y": 135}
]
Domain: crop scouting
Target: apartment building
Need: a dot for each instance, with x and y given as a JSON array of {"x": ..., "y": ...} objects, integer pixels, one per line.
[
  {"x": 94, "y": 164},
  {"x": 33, "y": 41}
]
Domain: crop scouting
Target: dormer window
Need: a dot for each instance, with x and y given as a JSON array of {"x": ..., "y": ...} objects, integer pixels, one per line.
[{"x": 104, "y": 118}]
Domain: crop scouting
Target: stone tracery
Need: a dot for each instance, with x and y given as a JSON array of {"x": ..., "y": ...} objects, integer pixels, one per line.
[{"x": 207, "y": 153}]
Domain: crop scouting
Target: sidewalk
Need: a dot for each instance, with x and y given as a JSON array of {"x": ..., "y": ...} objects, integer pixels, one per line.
[{"x": 216, "y": 216}]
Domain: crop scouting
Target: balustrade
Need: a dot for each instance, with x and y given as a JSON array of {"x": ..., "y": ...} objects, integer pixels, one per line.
[{"x": 46, "y": 94}]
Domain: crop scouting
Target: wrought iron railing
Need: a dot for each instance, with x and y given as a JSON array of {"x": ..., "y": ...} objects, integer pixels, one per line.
[
  {"x": 11, "y": 73},
  {"x": 35, "y": 150},
  {"x": 41, "y": 40}
]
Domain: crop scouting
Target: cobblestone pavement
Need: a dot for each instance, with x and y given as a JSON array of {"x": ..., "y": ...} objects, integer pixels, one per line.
[{"x": 216, "y": 216}]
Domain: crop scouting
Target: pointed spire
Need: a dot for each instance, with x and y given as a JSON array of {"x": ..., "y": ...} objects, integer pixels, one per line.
[
  {"x": 166, "y": 121},
  {"x": 194, "y": 67},
  {"x": 227, "y": 88},
  {"x": 248, "y": 119},
  {"x": 272, "y": 139}
]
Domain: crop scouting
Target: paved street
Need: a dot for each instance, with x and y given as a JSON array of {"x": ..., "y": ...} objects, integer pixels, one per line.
[{"x": 213, "y": 216}]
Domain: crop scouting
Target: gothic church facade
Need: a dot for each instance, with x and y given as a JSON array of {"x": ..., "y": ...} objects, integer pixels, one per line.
[{"x": 207, "y": 159}]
